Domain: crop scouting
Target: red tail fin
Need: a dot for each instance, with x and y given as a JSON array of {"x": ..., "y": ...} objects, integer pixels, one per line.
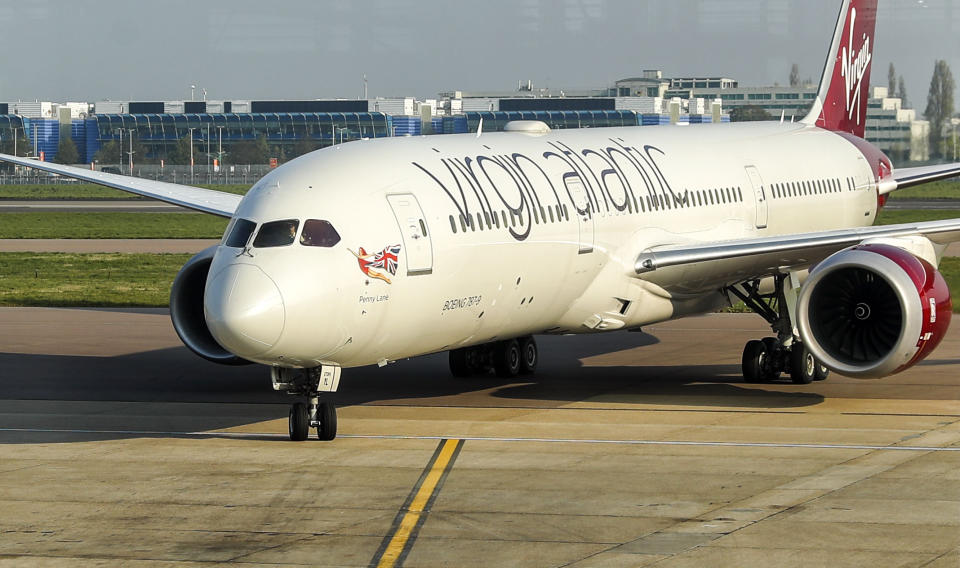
[{"x": 841, "y": 102}]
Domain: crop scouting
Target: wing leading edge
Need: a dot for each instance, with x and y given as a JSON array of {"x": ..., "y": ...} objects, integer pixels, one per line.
[
  {"x": 727, "y": 262},
  {"x": 210, "y": 201}
]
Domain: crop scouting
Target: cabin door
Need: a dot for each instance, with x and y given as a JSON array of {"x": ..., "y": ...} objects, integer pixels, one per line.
[
  {"x": 417, "y": 245},
  {"x": 760, "y": 196}
]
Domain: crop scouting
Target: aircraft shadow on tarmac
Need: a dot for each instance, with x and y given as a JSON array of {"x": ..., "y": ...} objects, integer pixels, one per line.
[{"x": 175, "y": 375}]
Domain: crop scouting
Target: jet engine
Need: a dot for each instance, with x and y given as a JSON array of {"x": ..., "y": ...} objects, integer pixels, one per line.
[
  {"x": 186, "y": 311},
  {"x": 873, "y": 310}
]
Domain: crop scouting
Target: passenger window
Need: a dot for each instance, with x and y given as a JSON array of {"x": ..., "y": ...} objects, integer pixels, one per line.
[
  {"x": 240, "y": 233},
  {"x": 317, "y": 233},
  {"x": 276, "y": 234}
]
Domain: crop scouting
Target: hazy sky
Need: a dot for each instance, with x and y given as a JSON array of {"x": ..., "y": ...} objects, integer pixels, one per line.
[{"x": 92, "y": 50}]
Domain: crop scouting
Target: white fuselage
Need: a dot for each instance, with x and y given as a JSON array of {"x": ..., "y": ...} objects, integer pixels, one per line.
[{"x": 556, "y": 222}]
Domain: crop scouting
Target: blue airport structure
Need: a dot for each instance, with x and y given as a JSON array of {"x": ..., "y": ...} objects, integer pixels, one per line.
[
  {"x": 159, "y": 134},
  {"x": 407, "y": 126},
  {"x": 494, "y": 121},
  {"x": 44, "y": 134},
  {"x": 454, "y": 125},
  {"x": 78, "y": 133},
  {"x": 11, "y": 125}
]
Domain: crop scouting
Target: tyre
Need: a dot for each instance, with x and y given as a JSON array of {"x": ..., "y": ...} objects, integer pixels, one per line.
[
  {"x": 803, "y": 366},
  {"x": 506, "y": 359},
  {"x": 752, "y": 363},
  {"x": 327, "y": 418},
  {"x": 459, "y": 363},
  {"x": 529, "y": 355},
  {"x": 299, "y": 424},
  {"x": 771, "y": 364},
  {"x": 821, "y": 373}
]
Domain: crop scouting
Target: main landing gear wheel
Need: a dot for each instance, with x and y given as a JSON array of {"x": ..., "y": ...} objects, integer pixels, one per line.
[
  {"x": 460, "y": 363},
  {"x": 529, "y": 355},
  {"x": 754, "y": 357},
  {"x": 326, "y": 421},
  {"x": 506, "y": 359},
  {"x": 299, "y": 424},
  {"x": 766, "y": 359},
  {"x": 821, "y": 373},
  {"x": 803, "y": 365}
]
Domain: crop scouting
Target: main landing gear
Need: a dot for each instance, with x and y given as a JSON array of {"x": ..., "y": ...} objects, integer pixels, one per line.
[
  {"x": 508, "y": 359},
  {"x": 309, "y": 383},
  {"x": 764, "y": 360}
]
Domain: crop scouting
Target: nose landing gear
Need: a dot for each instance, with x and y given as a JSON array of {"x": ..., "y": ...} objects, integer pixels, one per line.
[
  {"x": 309, "y": 383},
  {"x": 765, "y": 360}
]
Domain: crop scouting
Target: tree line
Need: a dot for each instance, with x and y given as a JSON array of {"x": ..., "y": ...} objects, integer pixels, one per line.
[{"x": 939, "y": 111}]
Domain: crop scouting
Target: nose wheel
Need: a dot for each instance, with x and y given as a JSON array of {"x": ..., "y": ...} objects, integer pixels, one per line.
[
  {"x": 310, "y": 384},
  {"x": 322, "y": 417}
]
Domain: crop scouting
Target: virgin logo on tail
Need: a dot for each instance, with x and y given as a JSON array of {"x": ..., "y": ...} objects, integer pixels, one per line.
[{"x": 853, "y": 67}]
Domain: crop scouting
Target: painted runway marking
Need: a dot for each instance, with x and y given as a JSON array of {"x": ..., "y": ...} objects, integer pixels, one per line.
[
  {"x": 406, "y": 526},
  {"x": 271, "y": 435}
]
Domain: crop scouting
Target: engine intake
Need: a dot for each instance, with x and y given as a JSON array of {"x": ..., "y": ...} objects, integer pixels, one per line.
[
  {"x": 186, "y": 311},
  {"x": 873, "y": 310}
]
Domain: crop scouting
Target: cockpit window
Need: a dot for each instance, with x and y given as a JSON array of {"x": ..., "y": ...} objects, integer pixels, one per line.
[
  {"x": 240, "y": 233},
  {"x": 277, "y": 234},
  {"x": 318, "y": 233}
]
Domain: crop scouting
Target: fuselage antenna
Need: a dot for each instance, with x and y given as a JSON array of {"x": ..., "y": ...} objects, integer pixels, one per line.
[{"x": 480, "y": 127}]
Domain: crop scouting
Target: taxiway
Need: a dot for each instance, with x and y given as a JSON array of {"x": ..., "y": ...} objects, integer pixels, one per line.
[{"x": 630, "y": 449}]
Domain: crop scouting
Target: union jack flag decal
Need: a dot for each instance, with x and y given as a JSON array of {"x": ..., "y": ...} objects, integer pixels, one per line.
[{"x": 379, "y": 265}]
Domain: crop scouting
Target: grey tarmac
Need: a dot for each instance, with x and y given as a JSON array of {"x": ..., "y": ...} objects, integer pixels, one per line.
[{"x": 118, "y": 446}]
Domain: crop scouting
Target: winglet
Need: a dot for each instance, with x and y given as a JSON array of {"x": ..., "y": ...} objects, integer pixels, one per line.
[{"x": 841, "y": 103}]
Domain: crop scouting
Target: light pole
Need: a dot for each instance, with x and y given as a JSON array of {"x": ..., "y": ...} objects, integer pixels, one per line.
[
  {"x": 191, "y": 154},
  {"x": 120, "y": 147},
  {"x": 15, "y": 129},
  {"x": 192, "y": 89},
  {"x": 130, "y": 153}
]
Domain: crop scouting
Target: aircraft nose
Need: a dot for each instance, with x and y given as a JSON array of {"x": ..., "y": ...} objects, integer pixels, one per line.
[{"x": 244, "y": 310}]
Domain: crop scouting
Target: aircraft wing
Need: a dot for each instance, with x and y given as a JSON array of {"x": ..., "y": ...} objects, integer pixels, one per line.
[
  {"x": 210, "y": 201},
  {"x": 727, "y": 262},
  {"x": 909, "y": 177}
]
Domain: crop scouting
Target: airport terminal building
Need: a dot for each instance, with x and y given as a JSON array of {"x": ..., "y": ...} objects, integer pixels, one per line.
[{"x": 105, "y": 132}]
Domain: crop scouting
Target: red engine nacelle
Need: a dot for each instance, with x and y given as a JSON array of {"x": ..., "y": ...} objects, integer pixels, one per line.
[{"x": 873, "y": 310}]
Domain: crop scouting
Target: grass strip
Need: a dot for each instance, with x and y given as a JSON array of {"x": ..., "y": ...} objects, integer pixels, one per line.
[
  {"x": 932, "y": 190},
  {"x": 144, "y": 280},
  {"x": 88, "y": 191},
  {"x": 110, "y": 225},
  {"x": 87, "y": 280},
  {"x": 85, "y": 191},
  {"x": 894, "y": 216}
]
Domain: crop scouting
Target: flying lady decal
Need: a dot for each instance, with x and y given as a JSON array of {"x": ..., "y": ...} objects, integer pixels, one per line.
[{"x": 380, "y": 265}]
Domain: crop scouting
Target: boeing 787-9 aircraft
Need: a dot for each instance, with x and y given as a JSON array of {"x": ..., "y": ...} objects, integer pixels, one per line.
[{"x": 381, "y": 250}]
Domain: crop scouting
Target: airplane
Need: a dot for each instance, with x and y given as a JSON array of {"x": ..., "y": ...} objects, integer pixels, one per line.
[{"x": 381, "y": 250}]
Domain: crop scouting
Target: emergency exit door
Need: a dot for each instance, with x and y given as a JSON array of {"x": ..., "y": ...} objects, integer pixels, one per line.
[
  {"x": 760, "y": 196},
  {"x": 417, "y": 245},
  {"x": 585, "y": 220}
]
